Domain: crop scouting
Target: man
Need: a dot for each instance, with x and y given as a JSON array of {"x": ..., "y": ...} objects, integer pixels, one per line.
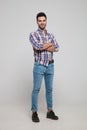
[{"x": 44, "y": 44}]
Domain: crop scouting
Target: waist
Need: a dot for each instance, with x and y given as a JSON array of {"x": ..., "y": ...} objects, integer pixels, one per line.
[{"x": 49, "y": 62}]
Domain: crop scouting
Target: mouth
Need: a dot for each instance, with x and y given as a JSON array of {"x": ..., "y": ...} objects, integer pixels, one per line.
[{"x": 42, "y": 25}]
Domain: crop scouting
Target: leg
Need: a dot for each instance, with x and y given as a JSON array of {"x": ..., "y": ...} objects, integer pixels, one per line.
[
  {"x": 37, "y": 80},
  {"x": 49, "y": 84}
]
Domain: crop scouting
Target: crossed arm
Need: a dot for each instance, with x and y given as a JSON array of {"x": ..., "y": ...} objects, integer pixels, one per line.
[{"x": 49, "y": 47}]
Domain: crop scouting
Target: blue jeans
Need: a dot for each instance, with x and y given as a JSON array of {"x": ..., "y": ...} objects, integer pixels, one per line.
[{"x": 40, "y": 71}]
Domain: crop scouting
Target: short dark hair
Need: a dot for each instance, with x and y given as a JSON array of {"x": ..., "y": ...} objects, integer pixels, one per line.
[{"x": 41, "y": 14}]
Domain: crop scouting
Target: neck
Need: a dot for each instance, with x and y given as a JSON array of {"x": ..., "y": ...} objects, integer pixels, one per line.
[{"x": 43, "y": 31}]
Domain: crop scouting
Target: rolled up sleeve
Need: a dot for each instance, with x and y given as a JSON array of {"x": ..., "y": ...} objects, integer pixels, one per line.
[
  {"x": 34, "y": 41},
  {"x": 55, "y": 44}
]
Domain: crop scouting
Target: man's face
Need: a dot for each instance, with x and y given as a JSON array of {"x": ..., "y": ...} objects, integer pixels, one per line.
[{"x": 42, "y": 21}]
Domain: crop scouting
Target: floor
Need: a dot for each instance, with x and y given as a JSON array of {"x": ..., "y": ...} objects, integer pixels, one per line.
[{"x": 18, "y": 117}]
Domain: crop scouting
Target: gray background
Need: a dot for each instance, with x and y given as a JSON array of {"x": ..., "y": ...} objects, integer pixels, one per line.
[{"x": 67, "y": 20}]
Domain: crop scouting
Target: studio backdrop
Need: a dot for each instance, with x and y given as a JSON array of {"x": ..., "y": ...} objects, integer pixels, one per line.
[{"x": 67, "y": 20}]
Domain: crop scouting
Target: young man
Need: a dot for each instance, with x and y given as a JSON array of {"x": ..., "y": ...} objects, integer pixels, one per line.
[{"x": 44, "y": 44}]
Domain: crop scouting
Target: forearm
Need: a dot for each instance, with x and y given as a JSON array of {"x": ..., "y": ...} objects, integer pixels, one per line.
[
  {"x": 51, "y": 49},
  {"x": 47, "y": 45}
]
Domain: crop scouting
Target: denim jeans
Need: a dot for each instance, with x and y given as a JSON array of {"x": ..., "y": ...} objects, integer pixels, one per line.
[{"x": 40, "y": 71}]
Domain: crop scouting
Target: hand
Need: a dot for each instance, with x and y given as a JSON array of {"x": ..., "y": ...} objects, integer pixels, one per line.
[
  {"x": 51, "y": 49},
  {"x": 47, "y": 45}
]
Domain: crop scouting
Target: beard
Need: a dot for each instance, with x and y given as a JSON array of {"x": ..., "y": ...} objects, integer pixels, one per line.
[{"x": 42, "y": 27}]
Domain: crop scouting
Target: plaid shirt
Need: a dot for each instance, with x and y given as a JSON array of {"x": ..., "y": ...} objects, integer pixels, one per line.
[{"x": 37, "y": 40}]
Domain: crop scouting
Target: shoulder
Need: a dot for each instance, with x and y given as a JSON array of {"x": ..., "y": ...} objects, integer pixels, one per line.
[
  {"x": 49, "y": 33},
  {"x": 34, "y": 33}
]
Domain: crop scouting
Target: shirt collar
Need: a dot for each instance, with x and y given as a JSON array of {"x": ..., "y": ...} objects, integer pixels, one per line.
[{"x": 41, "y": 30}]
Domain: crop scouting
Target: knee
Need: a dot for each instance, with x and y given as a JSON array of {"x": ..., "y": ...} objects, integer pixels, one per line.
[
  {"x": 36, "y": 90},
  {"x": 49, "y": 90}
]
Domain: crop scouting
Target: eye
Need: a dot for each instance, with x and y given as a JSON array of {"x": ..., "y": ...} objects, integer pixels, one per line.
[{"x": 44, "y": 20}]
